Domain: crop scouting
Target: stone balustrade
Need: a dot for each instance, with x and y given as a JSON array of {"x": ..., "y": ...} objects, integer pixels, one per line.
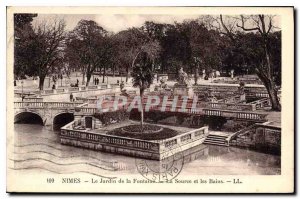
[
  {"x": 68, "y": 132},
  {"x": 216, "y": 110},
  {"x": 261, "y": 103},
  {"x": 231, "y": 106},
  {"x": 29, "y": 104},
  {"x": 258, "y": 136},
  {"x": 257, "y": 94},
  {"x": 46, "y": 104},
  {"x": 238, "y": 80},
  {"x": 218, "y": 89},
  {"x": 66, "y": 90},
  {"x": 245, "y": 115},
  {"x": 87, "y": 110},
  {"x": 82, "y": 105},
  {"x": 176, "y": 109},
  {"x": 242, "y": 131},
  {"x": 231, "y": 99},
  {"x": 33, "y": 99},
  {"x": 182, "y": 139},
  {"x": 151, "y": 149}
]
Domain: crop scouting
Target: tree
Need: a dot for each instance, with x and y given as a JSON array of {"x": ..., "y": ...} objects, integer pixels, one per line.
[
  {"x": 130, "y": 42},
  {"x": 203, "y": 44},
  {"x": 142, "y": 77},
  {"x": 262, "y": 25},
  {"x": 181, "y": 43},
  {"x": 108, "y": 52},
  {"x": 50, "y": 43},
  {"x": 143, "y": 70},
  {"x": 88, "y": 45},
  {"x": 23, "y": 34},
  {"x": 46, "y": 49}
]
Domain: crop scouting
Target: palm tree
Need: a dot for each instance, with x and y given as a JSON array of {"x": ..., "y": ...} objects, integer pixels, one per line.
[{"x": 143, "y": 76}]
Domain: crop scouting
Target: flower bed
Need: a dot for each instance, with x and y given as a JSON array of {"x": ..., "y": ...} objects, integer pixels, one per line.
[
  {"x": 146, "y": 128},
  {"x": 150, "y": 132}
]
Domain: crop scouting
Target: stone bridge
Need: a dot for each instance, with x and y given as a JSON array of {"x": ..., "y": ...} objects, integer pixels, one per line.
[
  {"x": 52, "y": 107},
  {"x": 48, "y": 114}
]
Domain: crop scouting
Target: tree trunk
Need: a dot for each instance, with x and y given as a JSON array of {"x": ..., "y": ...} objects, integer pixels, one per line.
[
  {"x": 41, "y": 82},
  {"x": 264, "y": 73},
  {"x": 269, "y": 82},
  {"x": 142, "y": 110},
  {"x": 83, "y": 79},
  {"x": 196, "y": 74},
  {"x": 271, "y": 88},
  {"x": 49, "y": 85},
  {"x": 88, "y": 78},
  {"x": 163, "y": 63},
  {"x": 273, "y": 96},
  {"x": 104, "y": 73},
  {"x": 114, "y": 70},
  {"x": 127, "y": 73}
]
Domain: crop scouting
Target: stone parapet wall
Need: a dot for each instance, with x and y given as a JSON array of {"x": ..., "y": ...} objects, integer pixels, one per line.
[
  {"x": 261, "y": 137},
  {"x": 154, "y": 149}
]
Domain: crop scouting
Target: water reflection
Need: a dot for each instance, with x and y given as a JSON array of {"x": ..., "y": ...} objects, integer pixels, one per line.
[{"x": 37, "y": 148}]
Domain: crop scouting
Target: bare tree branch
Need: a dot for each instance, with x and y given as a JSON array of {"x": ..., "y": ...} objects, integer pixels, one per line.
[
  {"x": 228, "y": 33},
  {"x": 244, "y": 28}
]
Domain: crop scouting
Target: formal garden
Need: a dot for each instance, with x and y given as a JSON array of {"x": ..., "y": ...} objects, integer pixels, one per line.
[{"x": 227, "y": 71}]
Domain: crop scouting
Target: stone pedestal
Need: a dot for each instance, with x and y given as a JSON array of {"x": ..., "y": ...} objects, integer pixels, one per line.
[{"x": 183, "y": 90}]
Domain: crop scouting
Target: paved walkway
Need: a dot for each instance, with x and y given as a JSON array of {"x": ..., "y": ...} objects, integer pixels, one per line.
[
  {"x": 274, "y": 118},
  {"x": 32, "y": 85}
]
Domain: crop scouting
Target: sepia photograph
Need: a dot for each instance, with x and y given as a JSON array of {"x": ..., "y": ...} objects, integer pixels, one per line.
[{"x": 150, "y": 99}]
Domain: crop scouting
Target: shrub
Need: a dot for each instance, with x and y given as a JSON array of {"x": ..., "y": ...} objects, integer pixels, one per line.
[
  {"x": 151, "y": 132},
  {"x": 116, "y": 116}
]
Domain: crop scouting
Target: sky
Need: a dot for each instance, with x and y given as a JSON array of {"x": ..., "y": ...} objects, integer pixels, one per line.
[
  {"x": 115, "y": 23},
  {"x": 118, "y": 22}
]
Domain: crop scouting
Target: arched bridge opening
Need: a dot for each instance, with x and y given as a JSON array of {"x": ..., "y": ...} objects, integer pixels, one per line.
[
  {"x": 61, "y": 120},
  {"x": 28, "y": 118}
]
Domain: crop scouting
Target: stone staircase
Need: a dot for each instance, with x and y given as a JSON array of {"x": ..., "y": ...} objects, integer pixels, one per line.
[{"x": 217, "y": 138}]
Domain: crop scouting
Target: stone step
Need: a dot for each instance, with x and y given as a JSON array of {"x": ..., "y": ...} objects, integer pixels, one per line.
[
  {"x": 215, "y": 143},
  {"x": 221, "y": 136},
  {"x": 216, "y": 139},
  {"x": 213, "y": 138}
]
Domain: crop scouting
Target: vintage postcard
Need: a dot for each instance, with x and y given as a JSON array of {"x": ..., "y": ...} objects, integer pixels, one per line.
[{"x": 150, "y": 99}]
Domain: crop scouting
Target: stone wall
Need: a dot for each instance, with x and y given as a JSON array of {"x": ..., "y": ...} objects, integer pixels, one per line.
[
  {"x": 190, "y": 120},
  {"x": 133, "y": 147},
  {"x": 264, "y": 138}
]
